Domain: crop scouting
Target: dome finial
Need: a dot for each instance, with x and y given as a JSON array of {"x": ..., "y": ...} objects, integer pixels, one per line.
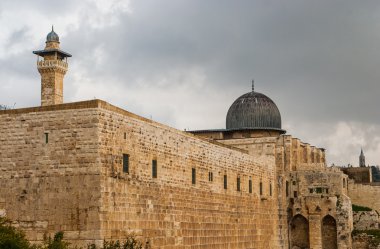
[
  {"x": 52, "y": 28},
  {"x": 253, "y": 85}
]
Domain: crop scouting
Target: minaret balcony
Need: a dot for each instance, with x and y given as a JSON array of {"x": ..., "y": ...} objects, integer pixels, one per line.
[{"x": 52, "y": 64}]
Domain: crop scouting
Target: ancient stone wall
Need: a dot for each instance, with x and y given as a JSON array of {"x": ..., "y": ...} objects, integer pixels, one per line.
[
  {"x": 366, "y": 220},
  {"x": 364, "y": 195},
  {"x": 170, "y": 210},
  {"x": 321, "y": 198},
  {"x": 49, "y": 171},
  {"x": 358, "y": 174}
]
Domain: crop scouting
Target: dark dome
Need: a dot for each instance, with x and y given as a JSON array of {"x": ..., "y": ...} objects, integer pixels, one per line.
[
  {"x": 253, "y": 110},
  {"x": 52, "y": 36}
]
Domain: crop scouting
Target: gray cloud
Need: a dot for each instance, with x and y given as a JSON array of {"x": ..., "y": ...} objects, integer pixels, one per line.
[{"x": 184, "y": 62}]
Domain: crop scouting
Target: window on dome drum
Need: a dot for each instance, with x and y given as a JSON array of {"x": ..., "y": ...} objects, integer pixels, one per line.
[
  {"x": 154, "y": 168},
  {"x": 250, "y": 186},
  {"x": 287, "y": 188},
  {"x": 46, "y": 137},
  {"x": 193, "y": 175},
  {"x": 261, "y": 188},
  {"x": 238, "y": 183},
  {"x": 125, "y": 163},
  {"x": 210, "y": 176},
  {"x": 270, "y": 189},
  {"x": 225, "y": 181}
]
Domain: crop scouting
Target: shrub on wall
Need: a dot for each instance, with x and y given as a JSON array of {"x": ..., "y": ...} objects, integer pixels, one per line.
[
  {"x": 10, "y": 237},
  {"x": 357, "y": 208}
]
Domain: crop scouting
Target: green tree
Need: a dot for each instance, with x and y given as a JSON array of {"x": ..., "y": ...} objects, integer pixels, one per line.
[{"x": 12, "y": 238}]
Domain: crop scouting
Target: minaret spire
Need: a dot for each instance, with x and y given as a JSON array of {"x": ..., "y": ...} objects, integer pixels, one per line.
[
  {"x": 361, "y": 159},
  {"x": 253, "y": 85}
]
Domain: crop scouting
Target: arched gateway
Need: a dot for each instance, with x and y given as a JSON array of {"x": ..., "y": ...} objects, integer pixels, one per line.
[
  {"x": 329, "y": 233},
  {"x": 299, "y": 232}
]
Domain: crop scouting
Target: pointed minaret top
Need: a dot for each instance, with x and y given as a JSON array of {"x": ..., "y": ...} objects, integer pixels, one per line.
[{"x": 253, "y": 85}]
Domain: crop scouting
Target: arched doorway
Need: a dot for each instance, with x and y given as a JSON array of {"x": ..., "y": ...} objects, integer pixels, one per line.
[
  {"x": 299, "y": 232},
  {"x": 329, "y": 233}
]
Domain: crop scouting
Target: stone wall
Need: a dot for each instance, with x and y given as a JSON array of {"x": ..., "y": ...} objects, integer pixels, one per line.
[
  {"x": 50, "y": 171},
  {"x": 61, "y": 169},
  {"x": 358, "y": 174},
  {"x": 169, "y": 210},
  {"x": 364, "y": 195},
  {"x": 366, "y": 220}
]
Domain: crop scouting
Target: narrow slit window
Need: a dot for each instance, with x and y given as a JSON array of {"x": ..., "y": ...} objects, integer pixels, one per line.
[
  {"x": 270, "y": 189},
  {"x": 125, "y": 135},
  {"x": 125, "y": 163},
  {"x": 250, "y": 186},
  {"x": 295, "y": 194},
  {"x": 154, "y": 168},
  {"x": 261, "y": 188},
  {"x": 46, "y": 138},
  {"x": 225, "y": 181},
  {"x": 193, "y": 176},
  {"x": 210, "y": 176},
  {"x": 238, "y": 184},
  {"x": 287, "y": 188}
]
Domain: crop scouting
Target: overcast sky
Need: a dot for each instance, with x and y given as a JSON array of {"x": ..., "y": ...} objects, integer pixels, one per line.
[{"x": 183, "y": 63}]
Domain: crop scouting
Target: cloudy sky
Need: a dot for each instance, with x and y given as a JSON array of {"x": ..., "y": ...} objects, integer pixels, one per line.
[{"x": 183, "y": 62}]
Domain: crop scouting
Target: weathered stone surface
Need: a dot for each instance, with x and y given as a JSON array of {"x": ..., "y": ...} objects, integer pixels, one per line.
[{"x": 366, "y": 220}]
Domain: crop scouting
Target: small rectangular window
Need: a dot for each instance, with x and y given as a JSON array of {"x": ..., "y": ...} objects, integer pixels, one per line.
[
  {"x": 270, "y": 189},
  {"x": 125, "y": 163},
  {"x": 294, "y": 183},
  {"x": 295, "y": 194},
  {"x": 261, "y": 188},
  {"x": 311, "y": 190},
  {"x": 319, "y": 190},
  {"x": 225, "y": 181},
  {"x": 238, "y": 184},
  {"x": 46, "y": 138},
  {"x": 210, "y": 176},
  {"x": 250, "y": 186},
  {"x": 193, "y": 175},
  {"x": 327, "y": 191},
  {"x": 154, "y": 168}
]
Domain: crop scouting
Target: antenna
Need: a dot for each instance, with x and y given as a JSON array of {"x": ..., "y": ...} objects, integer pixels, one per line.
[{"x": 253, "y": 85}]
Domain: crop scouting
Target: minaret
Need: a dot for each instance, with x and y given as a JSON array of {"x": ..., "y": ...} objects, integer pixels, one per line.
[
  {"x": 52, "y": 68},
  {"x": 361, "y": 159}
]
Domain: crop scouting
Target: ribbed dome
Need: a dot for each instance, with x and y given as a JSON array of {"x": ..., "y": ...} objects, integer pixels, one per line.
[
  {"x": 52, "y": 36},
  {"x": 253, "y": 110}
]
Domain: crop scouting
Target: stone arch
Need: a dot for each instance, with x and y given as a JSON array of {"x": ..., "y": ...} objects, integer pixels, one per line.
[
  {"x": 329, "y": 233},
  {"x": 299, "y": 232}
]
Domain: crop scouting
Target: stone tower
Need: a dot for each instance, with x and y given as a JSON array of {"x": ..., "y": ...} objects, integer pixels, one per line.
[
  {"x": 362, "y": 159},
  {"x": 52, "y": 68}
]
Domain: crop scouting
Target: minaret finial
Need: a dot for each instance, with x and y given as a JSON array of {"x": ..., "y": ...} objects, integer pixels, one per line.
[{"x": 253, "y": 85}]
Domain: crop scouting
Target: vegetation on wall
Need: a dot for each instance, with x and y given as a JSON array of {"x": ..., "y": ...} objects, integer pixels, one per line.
[
  {"x": 357, "y": 208},
  {"x": 13, "y": 238},
  {"x": 374, "y": 234}
]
